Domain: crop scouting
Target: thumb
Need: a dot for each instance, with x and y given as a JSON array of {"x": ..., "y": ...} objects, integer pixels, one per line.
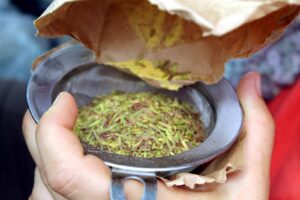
[
  {"x": 259, "y": 127},
  {"x": 55, "y": 138},
  {"x": 68, "y": 171},
  {"x": 258, "y": 121}
]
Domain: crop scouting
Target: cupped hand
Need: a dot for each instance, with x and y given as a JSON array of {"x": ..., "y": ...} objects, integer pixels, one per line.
[{"x": 65, "y": 172}]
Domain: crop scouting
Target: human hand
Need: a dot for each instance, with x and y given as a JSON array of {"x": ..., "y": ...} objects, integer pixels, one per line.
[{"x": 64, "y": 172}]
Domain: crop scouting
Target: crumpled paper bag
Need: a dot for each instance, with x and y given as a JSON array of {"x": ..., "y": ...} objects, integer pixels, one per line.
[
  {"x": 215, "y": 172},
  {"x": 189, "y": 42}
]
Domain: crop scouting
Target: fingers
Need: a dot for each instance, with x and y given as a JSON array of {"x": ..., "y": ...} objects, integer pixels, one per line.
[
  {"x": 39, "y": 191},
  {"x": 76, "y": 176},
  {"x": 29, "y": 127},
  {"x": 68, "y": 172},
  {"x": 59, "y": 155}
]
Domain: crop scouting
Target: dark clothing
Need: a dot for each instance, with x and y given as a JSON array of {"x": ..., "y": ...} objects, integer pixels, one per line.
[{"x": 16, "y": 165}]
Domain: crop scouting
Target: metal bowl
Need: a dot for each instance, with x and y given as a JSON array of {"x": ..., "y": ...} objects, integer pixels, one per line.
[{"x": 74, "y": 69}]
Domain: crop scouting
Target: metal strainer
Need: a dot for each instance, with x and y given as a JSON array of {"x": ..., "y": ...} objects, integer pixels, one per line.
[{"x": 74, "y": 69}]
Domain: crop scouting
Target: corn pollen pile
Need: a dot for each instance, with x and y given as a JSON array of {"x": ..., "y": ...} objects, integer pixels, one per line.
[{"x": 140, "y": 124}]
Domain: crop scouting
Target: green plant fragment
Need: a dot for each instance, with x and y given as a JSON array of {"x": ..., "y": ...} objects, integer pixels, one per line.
[{"x": 140, "y": 124}]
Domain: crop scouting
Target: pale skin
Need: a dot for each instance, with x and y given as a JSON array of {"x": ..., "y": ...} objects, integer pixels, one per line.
[{"x": 65, "y": 172}]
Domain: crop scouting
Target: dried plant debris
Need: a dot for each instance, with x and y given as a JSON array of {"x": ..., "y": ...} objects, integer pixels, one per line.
[{"x": 140, "y": 124}]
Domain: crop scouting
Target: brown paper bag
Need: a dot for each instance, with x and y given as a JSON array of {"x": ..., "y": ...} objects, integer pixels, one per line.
[{"x": 188, "y": 43}]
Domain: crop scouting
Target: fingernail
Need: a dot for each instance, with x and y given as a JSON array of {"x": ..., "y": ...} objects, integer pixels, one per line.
[
  {"x": 58, "y": 98},
  {"x": 258, "y": 84},
  {"x": 254, "y": 81}
]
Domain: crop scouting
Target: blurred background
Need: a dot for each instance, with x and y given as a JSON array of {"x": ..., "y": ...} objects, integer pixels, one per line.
[
  {"x": 279, "y": 65},
  {"x": 18, "y": 48}
]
